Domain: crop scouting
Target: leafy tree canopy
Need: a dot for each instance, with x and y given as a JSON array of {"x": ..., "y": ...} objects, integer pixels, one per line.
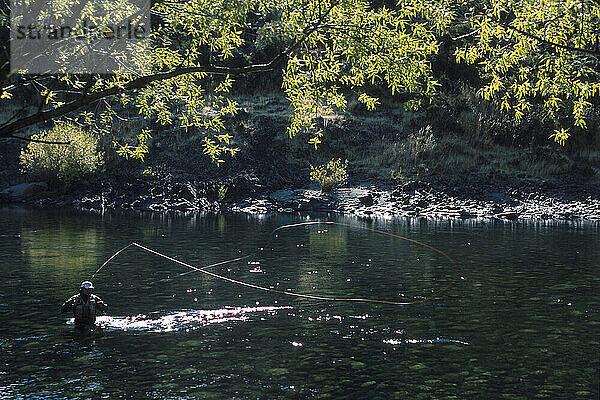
[
  {"x": 527, "y": 52},
  {"x": 537, "y": 51}
]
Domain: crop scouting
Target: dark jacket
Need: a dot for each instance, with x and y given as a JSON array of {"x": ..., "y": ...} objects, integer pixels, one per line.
[{"x": 84, "y": 312}]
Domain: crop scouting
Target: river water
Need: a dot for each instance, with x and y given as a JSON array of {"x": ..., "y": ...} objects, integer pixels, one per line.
[{"x": 517, "y": 317}]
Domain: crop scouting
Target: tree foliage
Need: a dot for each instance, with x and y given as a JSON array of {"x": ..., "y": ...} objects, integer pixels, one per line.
[
  {"x": 527, "y": 52},
  {"x": 537, "y": 51},
  {"x": 58, "y": 162}
]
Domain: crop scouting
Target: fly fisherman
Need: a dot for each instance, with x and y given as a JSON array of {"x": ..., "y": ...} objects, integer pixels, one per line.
[{"x": 84, "y": 306}]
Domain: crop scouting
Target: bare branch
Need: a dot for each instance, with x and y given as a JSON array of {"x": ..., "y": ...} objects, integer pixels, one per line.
[
  {"x": 7, "y": 129},
  {"x": 35, "y": 140},
  {"x": 466, "y": 34}
]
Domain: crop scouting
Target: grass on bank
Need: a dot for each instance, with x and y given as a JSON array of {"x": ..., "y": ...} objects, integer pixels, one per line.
[{"x": 393, "y": 144}]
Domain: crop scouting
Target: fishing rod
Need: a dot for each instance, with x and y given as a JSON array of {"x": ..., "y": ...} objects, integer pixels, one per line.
[{"x": 203, "y": 270}]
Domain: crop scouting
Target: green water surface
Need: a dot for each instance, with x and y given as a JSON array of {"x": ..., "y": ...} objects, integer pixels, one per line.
[{"x": 518, "y": 318}]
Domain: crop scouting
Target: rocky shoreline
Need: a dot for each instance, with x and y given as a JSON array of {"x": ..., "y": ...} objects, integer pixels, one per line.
[
  {"x": 418, "y": 198},
  {"x": 246, "y": 193}
]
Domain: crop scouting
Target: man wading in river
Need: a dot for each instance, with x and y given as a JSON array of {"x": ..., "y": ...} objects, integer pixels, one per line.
[{"x": 84, "y": 306}]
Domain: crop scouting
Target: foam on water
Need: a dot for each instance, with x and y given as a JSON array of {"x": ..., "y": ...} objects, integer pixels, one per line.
[{"x": 170, "y": 321}]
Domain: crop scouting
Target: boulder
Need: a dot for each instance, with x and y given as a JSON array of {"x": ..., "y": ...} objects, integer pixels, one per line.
[
  {"x": 366, "y": 200},
  {"x": 510, "y": 215},
  {"x": 310, "y": 204},
  {"x": 421, "y": 203},
  {"x": 187, "y": 192},
  {"x": 410, "y": 186},
  {"x": 464, "y": 214},
  {"x": 285, "y": 198},
  {"x": 93, "y": 202},
  {"x": 300, "y": 199},
  {"x": 23, "y": 190}
]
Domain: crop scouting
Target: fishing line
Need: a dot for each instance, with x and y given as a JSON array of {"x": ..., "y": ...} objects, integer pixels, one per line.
[
  {"x": 203, "y": 270},
  {"x": 110, "y": 259}
]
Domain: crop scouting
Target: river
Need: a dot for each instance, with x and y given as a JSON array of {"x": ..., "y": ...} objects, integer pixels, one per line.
[{"x": 516, "y": 316}]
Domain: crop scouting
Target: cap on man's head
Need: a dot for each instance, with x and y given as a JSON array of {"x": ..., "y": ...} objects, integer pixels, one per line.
[{"x": 87, "y": 285}]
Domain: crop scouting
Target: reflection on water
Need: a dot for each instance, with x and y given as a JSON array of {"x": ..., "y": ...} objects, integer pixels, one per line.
[
  {"x": 186, "y": 320},
  {"x": 329, "y": 242},
  {"x": 61, "y": 252}
]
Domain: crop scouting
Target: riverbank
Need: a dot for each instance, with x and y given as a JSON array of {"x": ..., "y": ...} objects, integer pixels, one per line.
[
  {"x": 434, "y": 199},
  {"x": 452, "y": 163},
  {"x": 429, "y": 197}
]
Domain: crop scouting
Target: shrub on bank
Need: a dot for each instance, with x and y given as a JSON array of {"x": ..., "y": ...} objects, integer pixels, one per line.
[
  {"x": 331, "y": 175},
  {"x": 62, "y": 163}
]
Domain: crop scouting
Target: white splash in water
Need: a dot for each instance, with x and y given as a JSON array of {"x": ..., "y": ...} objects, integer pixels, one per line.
[
  {"x": 432, "y": 341},
  {"x": 179, "y": 320}
]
